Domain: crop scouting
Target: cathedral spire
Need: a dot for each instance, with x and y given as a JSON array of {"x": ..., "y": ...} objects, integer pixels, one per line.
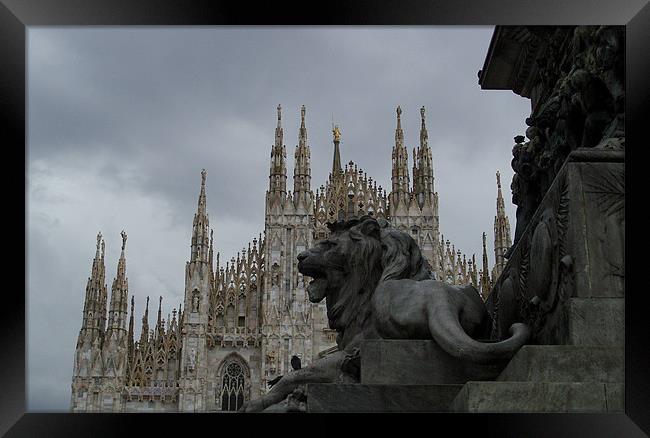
[
  {"x": 278, "y": 129},
  {"x": 278, "y": 170},
  {"x": 159, "y": 325},
  {"x": 144, "y": 334},
  {"x": 501, "y": 208},
  {"x": 211, "y": 257},
  {"x": 202, "y": 200},
  {"x": 473, "y": 270},
  {"x": 303, "y": 131},
  {"x": 336, "y": 162},
  {"x": 130, "y": 336},
  {"x": 94, "y": 312},
  {"x": 200, "y": 238},
  {"x": 99, "y": 245},
  {"x": 117, "y": 313},
  {"x": 399, "y": 134},
  {"x": 424, "y": 173},
  {"x": 302, "y": 168},
  {"x": 502, "y": 241},
  {"x": 400, "y": 172},
  {"x": 424, "y": 136},
  {"x": 485, "y": 273}
]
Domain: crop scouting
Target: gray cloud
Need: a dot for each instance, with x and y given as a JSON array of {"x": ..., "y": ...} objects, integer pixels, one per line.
[{"x": 122, "y": 120}]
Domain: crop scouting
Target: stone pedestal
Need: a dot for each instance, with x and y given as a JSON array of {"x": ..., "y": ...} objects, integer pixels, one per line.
[
  {"x": 323, "y": 397},
  {"x": 526, "y": 397},
  {"x": 417, "y": 362},
  {"x": 565, "y": 363},
  {"x": 399, "y": 376},
  {"x": 565, "y": 277},
  {"x": 551, "y": 378}
]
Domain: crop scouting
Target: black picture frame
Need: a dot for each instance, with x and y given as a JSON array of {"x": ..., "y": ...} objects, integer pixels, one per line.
[{"x": 17, "y": 15}]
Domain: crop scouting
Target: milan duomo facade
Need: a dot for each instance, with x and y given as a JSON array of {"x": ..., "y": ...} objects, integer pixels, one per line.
[{"x": 240, "y": 324}]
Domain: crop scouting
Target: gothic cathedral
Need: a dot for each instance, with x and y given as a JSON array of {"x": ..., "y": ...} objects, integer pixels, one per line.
[{"x": 240, "y": 324}]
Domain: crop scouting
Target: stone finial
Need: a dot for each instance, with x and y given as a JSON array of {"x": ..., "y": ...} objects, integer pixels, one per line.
[
  {"x": 399, "y": 112},
  {"x": 279, "y": 113},
  {"x": 302, "y": 115},
  {"x": 123, "y": 234},
  {"x": 498, "y": 179},
  {"x": 203, "y": 174},
  {"x": 422, "y": 114}
]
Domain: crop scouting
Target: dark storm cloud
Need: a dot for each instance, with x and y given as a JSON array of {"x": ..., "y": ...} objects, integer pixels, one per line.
[{"x": 122, "y": 120}]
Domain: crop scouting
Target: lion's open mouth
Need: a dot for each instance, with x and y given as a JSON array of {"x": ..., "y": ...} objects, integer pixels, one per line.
[{"x": 317, "y": 289}]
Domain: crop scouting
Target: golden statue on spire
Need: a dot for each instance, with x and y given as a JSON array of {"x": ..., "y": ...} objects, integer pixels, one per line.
[{"x": 337, "y": 133}]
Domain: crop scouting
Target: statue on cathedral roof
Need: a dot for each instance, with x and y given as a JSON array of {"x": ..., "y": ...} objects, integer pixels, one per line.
[{"x": 337, "y": 133}]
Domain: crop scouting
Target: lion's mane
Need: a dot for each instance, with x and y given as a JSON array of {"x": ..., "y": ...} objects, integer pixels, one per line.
[{"x": 380, "y": 253}]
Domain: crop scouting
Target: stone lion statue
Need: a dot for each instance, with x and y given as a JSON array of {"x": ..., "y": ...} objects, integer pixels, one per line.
[{"x": 377, "y": 285}]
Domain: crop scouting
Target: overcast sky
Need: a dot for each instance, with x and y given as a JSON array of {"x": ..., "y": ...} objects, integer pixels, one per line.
[{"x": 121, "y": 121}]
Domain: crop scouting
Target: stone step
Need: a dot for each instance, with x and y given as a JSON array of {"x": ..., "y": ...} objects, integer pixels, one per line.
[
  {"x": 418, "y": 362},
  {"x": 527, "y": 397},
  {"x": 329, "y": 397},
  {"x": 565, "y": 363}
]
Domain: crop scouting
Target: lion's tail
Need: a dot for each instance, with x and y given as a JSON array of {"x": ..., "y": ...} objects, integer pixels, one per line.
[{"x": 449, "y": 334}]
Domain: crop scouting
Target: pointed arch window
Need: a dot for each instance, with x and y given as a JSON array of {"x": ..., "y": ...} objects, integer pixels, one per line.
[{"x": 232, "y": 388}]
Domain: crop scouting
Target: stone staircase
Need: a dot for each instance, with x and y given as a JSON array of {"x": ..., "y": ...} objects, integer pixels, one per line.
[{"x": 417, "y": 376}]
